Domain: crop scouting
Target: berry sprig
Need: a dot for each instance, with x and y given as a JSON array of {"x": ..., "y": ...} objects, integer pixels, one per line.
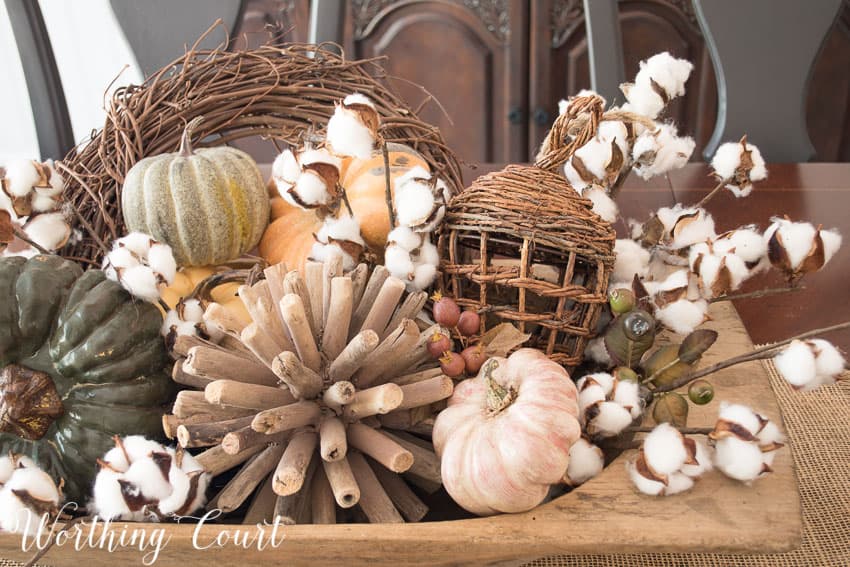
[{"x": 467, "y": 326}]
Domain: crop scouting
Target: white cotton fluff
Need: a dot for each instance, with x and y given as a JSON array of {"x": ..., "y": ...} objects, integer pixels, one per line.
[
  {"x": 683, "y": 316},
  {"x": 610, "y": 420},
  {"x": 642, "y": 100},
  {"x": 586, "y": 461},
  {"x": 193, "y": 311},
  {"x": 664, "y": 449},
  {"x": 643, "y": 484},
  {"x": 429, "y": 254},
  {"x": 738, "y": 459},
  {"x": 828, "y": 360},
  {"x": 399, "y": 262},
  {"x": 704, "y": 457},
  {"x": 141, "y": 282},
  {"x": 414, "y": 199},
  {"x": 171, "y": 321},
  {"x": 710, "y": 269},
  {"x": 603, "y": 205},
  {"x": 697, "y": 227},
  {"x": 423, "y": 276},
  {"x": 137, "y": 243},
  {"x": 660, "y": 151},
  {"x": 614, "y": 131},
  {"x": 310, "y": 189},
  {"x": 346, "y": 134},
  {"x": 107, "y": 499},
  {"x": 342, "y": 228},
  {"x": 9, "y": 464},
  {"x": 56, "y": 181},
  {"x": 669, "y": 73},
  {"x": 21, "y": 177},
  {"x": 796, "y": 364},
  {"x": 48, "y": 230},
  {"x": 590, "y": 394},
  {"x": 576, "y": 181},
  {"x": 602, "y": 379},
  {"x": 770, "y": 434},
  {"x": 43, "y": 203},
  {"x": 595, "y": 155},
  {"x": 677, "y": 483},
  {"x": 285, "y": 172},
  {"x": 797, "y": 239},
  {"x": 674, "y": 280},
  {"x": 597, "y": 352},
  {"x": 121, "y": 258},
  {"x": 161, "y": 260},
  {"x": 321, "y": 155},
  {"x": 631, "y": 259},
  {"x": 742, "y": 415},
  {"x": 746, "y": 242},
  {"x": 146, "y": 474},
  {"x": 17, "y": 517},
  {"x": 627, "y": 394}
]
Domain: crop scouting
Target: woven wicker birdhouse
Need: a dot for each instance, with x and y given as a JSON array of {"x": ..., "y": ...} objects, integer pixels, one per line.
[{"x": 521, "y": 245}]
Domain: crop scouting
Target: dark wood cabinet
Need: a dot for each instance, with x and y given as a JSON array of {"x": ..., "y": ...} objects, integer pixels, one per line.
[{"x": 499, "y": 67}]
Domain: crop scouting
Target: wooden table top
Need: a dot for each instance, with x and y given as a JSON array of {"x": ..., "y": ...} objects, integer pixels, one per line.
[{"x": 815, "y": 192}]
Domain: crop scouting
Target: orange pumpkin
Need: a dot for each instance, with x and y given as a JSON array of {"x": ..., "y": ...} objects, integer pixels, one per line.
[
  {"x": 289, "y": 237},
  {"x": 185, "y": 281}
]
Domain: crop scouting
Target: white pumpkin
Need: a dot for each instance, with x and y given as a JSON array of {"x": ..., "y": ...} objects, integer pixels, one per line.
[{"x": 505, "y": 436}]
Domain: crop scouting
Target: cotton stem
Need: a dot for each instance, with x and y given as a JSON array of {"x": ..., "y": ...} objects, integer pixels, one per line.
[
  {"x": 762, "y": 353},
  {"x": 23, "y": 236},
  {"x": 711, "y": 195},
  {"x": 389, "y": 192},
  {"x": 756, "y": 294}
]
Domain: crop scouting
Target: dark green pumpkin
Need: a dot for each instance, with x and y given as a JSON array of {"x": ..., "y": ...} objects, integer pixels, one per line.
[{"x": 101, "y": 348}]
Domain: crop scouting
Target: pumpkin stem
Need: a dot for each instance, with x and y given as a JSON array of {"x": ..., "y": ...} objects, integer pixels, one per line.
[
  {"x": 29, "y": 402},
  {"x": 186, "y": 148},
  {"x": 499, "y": 398}
]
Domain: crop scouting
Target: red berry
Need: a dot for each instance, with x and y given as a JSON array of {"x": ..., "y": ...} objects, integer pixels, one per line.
[
  {"x": 452, "y": 364},
  {"x": 474, "y": 359},
  {"x": 446, "y": 311},
  {"x": 438, "y": 344},
  {"x": 469, "y": 323}
]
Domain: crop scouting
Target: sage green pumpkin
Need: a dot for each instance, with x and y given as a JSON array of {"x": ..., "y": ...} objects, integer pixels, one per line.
[
  {"x": 209, "y": 205},
  {"x": 80, "y": 361}
]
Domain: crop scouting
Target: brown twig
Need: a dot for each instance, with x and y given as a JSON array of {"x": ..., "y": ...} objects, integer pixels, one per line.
[
  {"x": 388, "y": 180},
  {"x": 764, "y": 352},
  {"x": 682, "y": 430},
  {"x": 704, "y": 201},
  {"x": 756, "y": 294},
  {"x": 21, "y": 235}
]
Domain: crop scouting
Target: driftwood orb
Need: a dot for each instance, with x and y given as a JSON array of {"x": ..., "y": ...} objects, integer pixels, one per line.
[{"x": 521, "y": 245}]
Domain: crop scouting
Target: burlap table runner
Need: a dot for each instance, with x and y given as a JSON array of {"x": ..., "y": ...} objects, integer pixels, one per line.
[{"x": 818, "y": 425}]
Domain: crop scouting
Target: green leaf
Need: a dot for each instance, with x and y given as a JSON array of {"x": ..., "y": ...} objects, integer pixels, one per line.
[
  {"x": 664, "y": 366},
  {"x": 629, "y": 337},
  {"x": 695, "y": 345},
  {"x": 671, "y": 408}
]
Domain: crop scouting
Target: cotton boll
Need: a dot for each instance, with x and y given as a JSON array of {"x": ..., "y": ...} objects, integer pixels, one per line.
[
  {"x": 108, "y": 499},
  {"x": 405, "y": 238},
  {"x": 678, "y": 482},
  {"x": 738, "y": 459},
  {"x": 602, "y": 379},
  {"x": 21, "y": 177},
  {"x": 674, "y": 280},
  {"x": 631, "y": 259},
  {"x": 726, "y": 160},
  {"x": 15, "y": 515},
  {"x": 829, "y": 361},
  {"x": 590, "y": 394},
  {"x": 193, "y": 310},
  {"x": 398, "y": 262},
  {"x": 603, "y": 205},
  {"x": 596, "y": 351},
  {"x": 703, "y": 456},
  {"x": 138, "y": 243},
  {"x": 770, "y": 435},
  {"x": 423, "y": 276},
  {"x": 643, "y": 99},
  {"x": 148, "y": 476},
  {"x": 586, "y": 461},
  {"x": 141, "y": 282},
  {"x": 614, "y": 131},
  {"x": 575, "y": 179},
  {"x": 347, "y": 134},
  {"x": 161, "y": 260},
  {"x": 56, "y": 181},
  {"x": 607, "y": 419},
  {"x": 595, "y": 155},
  {"x": 741, "y": 415},
  {"x": 683, "y": 316},
  {"x": 797, "y": 239},
  {"x": 43, "y": 203},
  {"x": 660, "y": 151},
  {"x": 414, "y": 202},
  {"x": 344, "y": 228},
  {"x": 642, "y": 483},
  {"x": 49, "y": 230},
  {"x": 10, "y": 463},
  {"x": 627, "y": 394},
  {"x": 171, "y": 321},
  {"x": 666, "y": 71},
  {"x": 309, "y": 191},
  {"x": 831, "y": 243},
  {"x": 429, "y": 254},
  {"x": 740, "y": 164},
  {"x": 691, "y": 230},
  {"x": 285, "y": 171},
  {"x": 664, "y": 449},
  {"x": 747, "y": 243},
  {"x": 796, "y": 364},
  {"x": 121, "y": 258}
]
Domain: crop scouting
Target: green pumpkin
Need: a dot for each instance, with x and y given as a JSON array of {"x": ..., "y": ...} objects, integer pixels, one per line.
[
  {"x": 209, "y": 205},
  {"x": 80, "y": 362}
]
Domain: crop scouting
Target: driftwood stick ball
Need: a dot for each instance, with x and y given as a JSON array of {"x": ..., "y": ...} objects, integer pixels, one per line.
[
  {"x": 372, "y": 401},
  {"x": 249, "y": 478},
  {"x": 353, "y": 356},
  {"x": 404, "y": 499},
  {"x": 380, "y": 447},
  {"x": 189, "y": 403},
  {"x": 335, "y": 335},
  {"x": 249, "y": 396},
  {"x": 384, "y": 306},
  {"x": 209, "y": 363},
  {"x": 323, "y": 505},
  {"x": 294, "y": 508},
  {"x": 209, "y": 434},
  {"x": 426, "y": 392},
  {"x": 345, "y": 489},
  {"x": 374, "y": 501},
  {"x": 303, "y": 381},
  {"x": 287, "y": 417},
  {"x": 370, "y": 293},
  {"x": 338, "y": 395},
  {"x": 333, "y": 439},
  {"x": 313, "y": 272},
  {"x": 216, "y": 461},
  {"x": 237, "y": 441},
  {"x": 293, "y": 283},
  {"x": 292, "y": 310}
]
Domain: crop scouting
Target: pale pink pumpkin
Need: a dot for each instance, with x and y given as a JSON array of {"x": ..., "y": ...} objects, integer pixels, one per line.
[{"x": 505, "y": 436}]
